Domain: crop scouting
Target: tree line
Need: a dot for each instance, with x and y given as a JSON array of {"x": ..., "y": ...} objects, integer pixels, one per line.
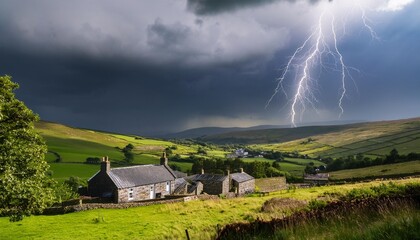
[{"x": 360, "y": 161}]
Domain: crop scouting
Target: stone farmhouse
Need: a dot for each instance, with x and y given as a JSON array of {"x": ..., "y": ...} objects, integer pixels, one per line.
[
  {"x": 242, "y": 182},
  {"x": 215, "y": 184},
  {"x": 134, "y": 183},
  {"x": 145, "y": 182}
]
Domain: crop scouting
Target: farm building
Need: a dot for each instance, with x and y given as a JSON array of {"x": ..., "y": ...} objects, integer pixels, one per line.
[
  {"x": 213, "y": 184},
  {"x": 216, "y": 184},
  {"x": 316, "y": 179},
  {"x": 183, "y": 187},
  {"x": 134, "y": 183},
  {"x": 242, "y": 182}
]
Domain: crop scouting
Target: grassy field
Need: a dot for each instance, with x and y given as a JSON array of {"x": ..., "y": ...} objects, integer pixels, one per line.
[
  {"x": 406, "y": 168},
  {"x": 303, "y": 161},
  {"x": 372, "y": 139},
  {"x": 62, "y": 171},
  {"x": 74, "y": 145},
  {"x": 361, "y": 214},
  {"x": 160, "y": 221},
  {"x": 294, "y": 166}
]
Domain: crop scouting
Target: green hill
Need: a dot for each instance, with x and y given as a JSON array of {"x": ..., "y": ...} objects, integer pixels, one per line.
[
  {"x": 382, "y": 171},
  {"x": 69, "y": 147},
  {"x": 371, "y": 139}
]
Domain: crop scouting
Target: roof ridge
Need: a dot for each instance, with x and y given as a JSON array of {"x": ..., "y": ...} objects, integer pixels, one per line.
[{"x": 136, "y": 166}]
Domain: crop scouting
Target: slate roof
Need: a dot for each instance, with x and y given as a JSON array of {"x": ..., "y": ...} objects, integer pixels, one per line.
[
  {"x": 241, "y": 177},
  {"x": 180, "y": 184},
  {"x": 179, "y": 174},
  {"x": 126, "y": 177},
  {"x": 207, "y": 177}
]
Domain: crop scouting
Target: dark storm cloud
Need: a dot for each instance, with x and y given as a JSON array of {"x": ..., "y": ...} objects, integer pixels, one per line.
[
  {"x": 127, "y": 96},
  {"x": 209, "y": 7},
  {"x": 141, "y": 71}
]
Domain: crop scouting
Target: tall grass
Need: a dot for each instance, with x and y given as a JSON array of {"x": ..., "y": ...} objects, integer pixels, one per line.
[{"x": 381, "y": 212}]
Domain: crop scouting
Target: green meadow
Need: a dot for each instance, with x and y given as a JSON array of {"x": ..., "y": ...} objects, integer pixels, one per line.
[
  {"x": 371, "y": 139},
  {"x": 166, "y": 221},
  {"x": 381, "y": 171},
  {"x": 62, "y": 171},
  {"x": 73, "y": 146}
]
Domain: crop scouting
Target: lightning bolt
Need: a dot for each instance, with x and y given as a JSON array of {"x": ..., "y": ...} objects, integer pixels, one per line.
[
  {"x": 343, "y": 69},
  {"x": 366, "y": 24},
  {"x": 303, "y": 82},
  {"x": 317, "y": 47}
]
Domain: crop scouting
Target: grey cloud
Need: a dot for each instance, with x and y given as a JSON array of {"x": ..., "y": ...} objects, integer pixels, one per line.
[
  {"x": 211, "y": 7},
  {"x": 134, "y": 70},
  {"x": 163, "y": 36},
  {"x": 208, "y": 7}
]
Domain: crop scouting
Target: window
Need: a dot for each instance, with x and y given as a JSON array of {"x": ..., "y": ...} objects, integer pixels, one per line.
[
  {"x": 168, "y": 186},
  {"x": 130, "y": 194}
]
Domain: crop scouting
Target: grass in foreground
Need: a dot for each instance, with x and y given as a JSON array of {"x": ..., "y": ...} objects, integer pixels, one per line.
[
  {"x": 400, "y": 220},
  {"x": 160, "y": 221},
  {"x": 387, "y": 211}
]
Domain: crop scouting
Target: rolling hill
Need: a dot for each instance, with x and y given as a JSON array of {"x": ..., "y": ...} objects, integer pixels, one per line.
[
  {"x": 68, "y": 149},
  {"x": 372, "y": 138},
  {"x": 204, "y": 132},
  {"x": 210, "y": 131}
]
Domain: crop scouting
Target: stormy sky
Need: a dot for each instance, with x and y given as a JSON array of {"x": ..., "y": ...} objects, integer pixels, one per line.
[{"x": 166, "y": 65}]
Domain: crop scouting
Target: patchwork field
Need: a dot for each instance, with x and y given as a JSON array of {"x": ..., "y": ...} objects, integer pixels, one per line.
[
  {"x": 72, "y": 146},
  {"x": 371, "y": 139}
]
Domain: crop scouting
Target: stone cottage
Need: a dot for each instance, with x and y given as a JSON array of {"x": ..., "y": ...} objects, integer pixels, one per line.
[
  {"x": 183, "y": 187},
  {"x": 242, "y": 182},
  {"x": 213, "y": 184},
  {"x": 133, "y": 183},
  {"x": 316, "y": 179}
]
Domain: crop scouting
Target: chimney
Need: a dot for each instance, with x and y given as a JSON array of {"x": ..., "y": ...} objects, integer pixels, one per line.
[
  {"x": 228, "y": 172},
  {"x": 164, "y": 159},
  {"x": 105, "y": 165},
  {"x": 241, "y": 170},
  {"x": 202, "y": 171}
]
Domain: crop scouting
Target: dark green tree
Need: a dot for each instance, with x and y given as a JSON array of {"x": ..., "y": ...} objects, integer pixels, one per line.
[
  {"x": 129, "y": 156},
  {"x": 74, "y": 183},
  {"x": 276, "y": 165},
  {"x": 128, "y": 153},
  {"x": 392, "y": 157},
  {"x": 25, "y": 187},
  {"x": 129, "y": 147},
  {"x": 201, "y": 151}
]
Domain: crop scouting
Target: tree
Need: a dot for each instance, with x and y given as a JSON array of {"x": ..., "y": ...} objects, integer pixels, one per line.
[
  {"x": 392, "y": 157},
  {"x": 128, "y": 153},
  {"x": 74, "y": 183},
  {"x": 129, "y": 156},
  {"x": 201, "y": 151},
  {"x": 25, "y": 187}
]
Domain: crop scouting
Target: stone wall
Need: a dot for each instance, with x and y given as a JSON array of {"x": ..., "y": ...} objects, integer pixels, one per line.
[
  {"x": 245, "y": 187},
  {"x": 91, "y": 206},
  {"x": 271, "y": 184}
]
